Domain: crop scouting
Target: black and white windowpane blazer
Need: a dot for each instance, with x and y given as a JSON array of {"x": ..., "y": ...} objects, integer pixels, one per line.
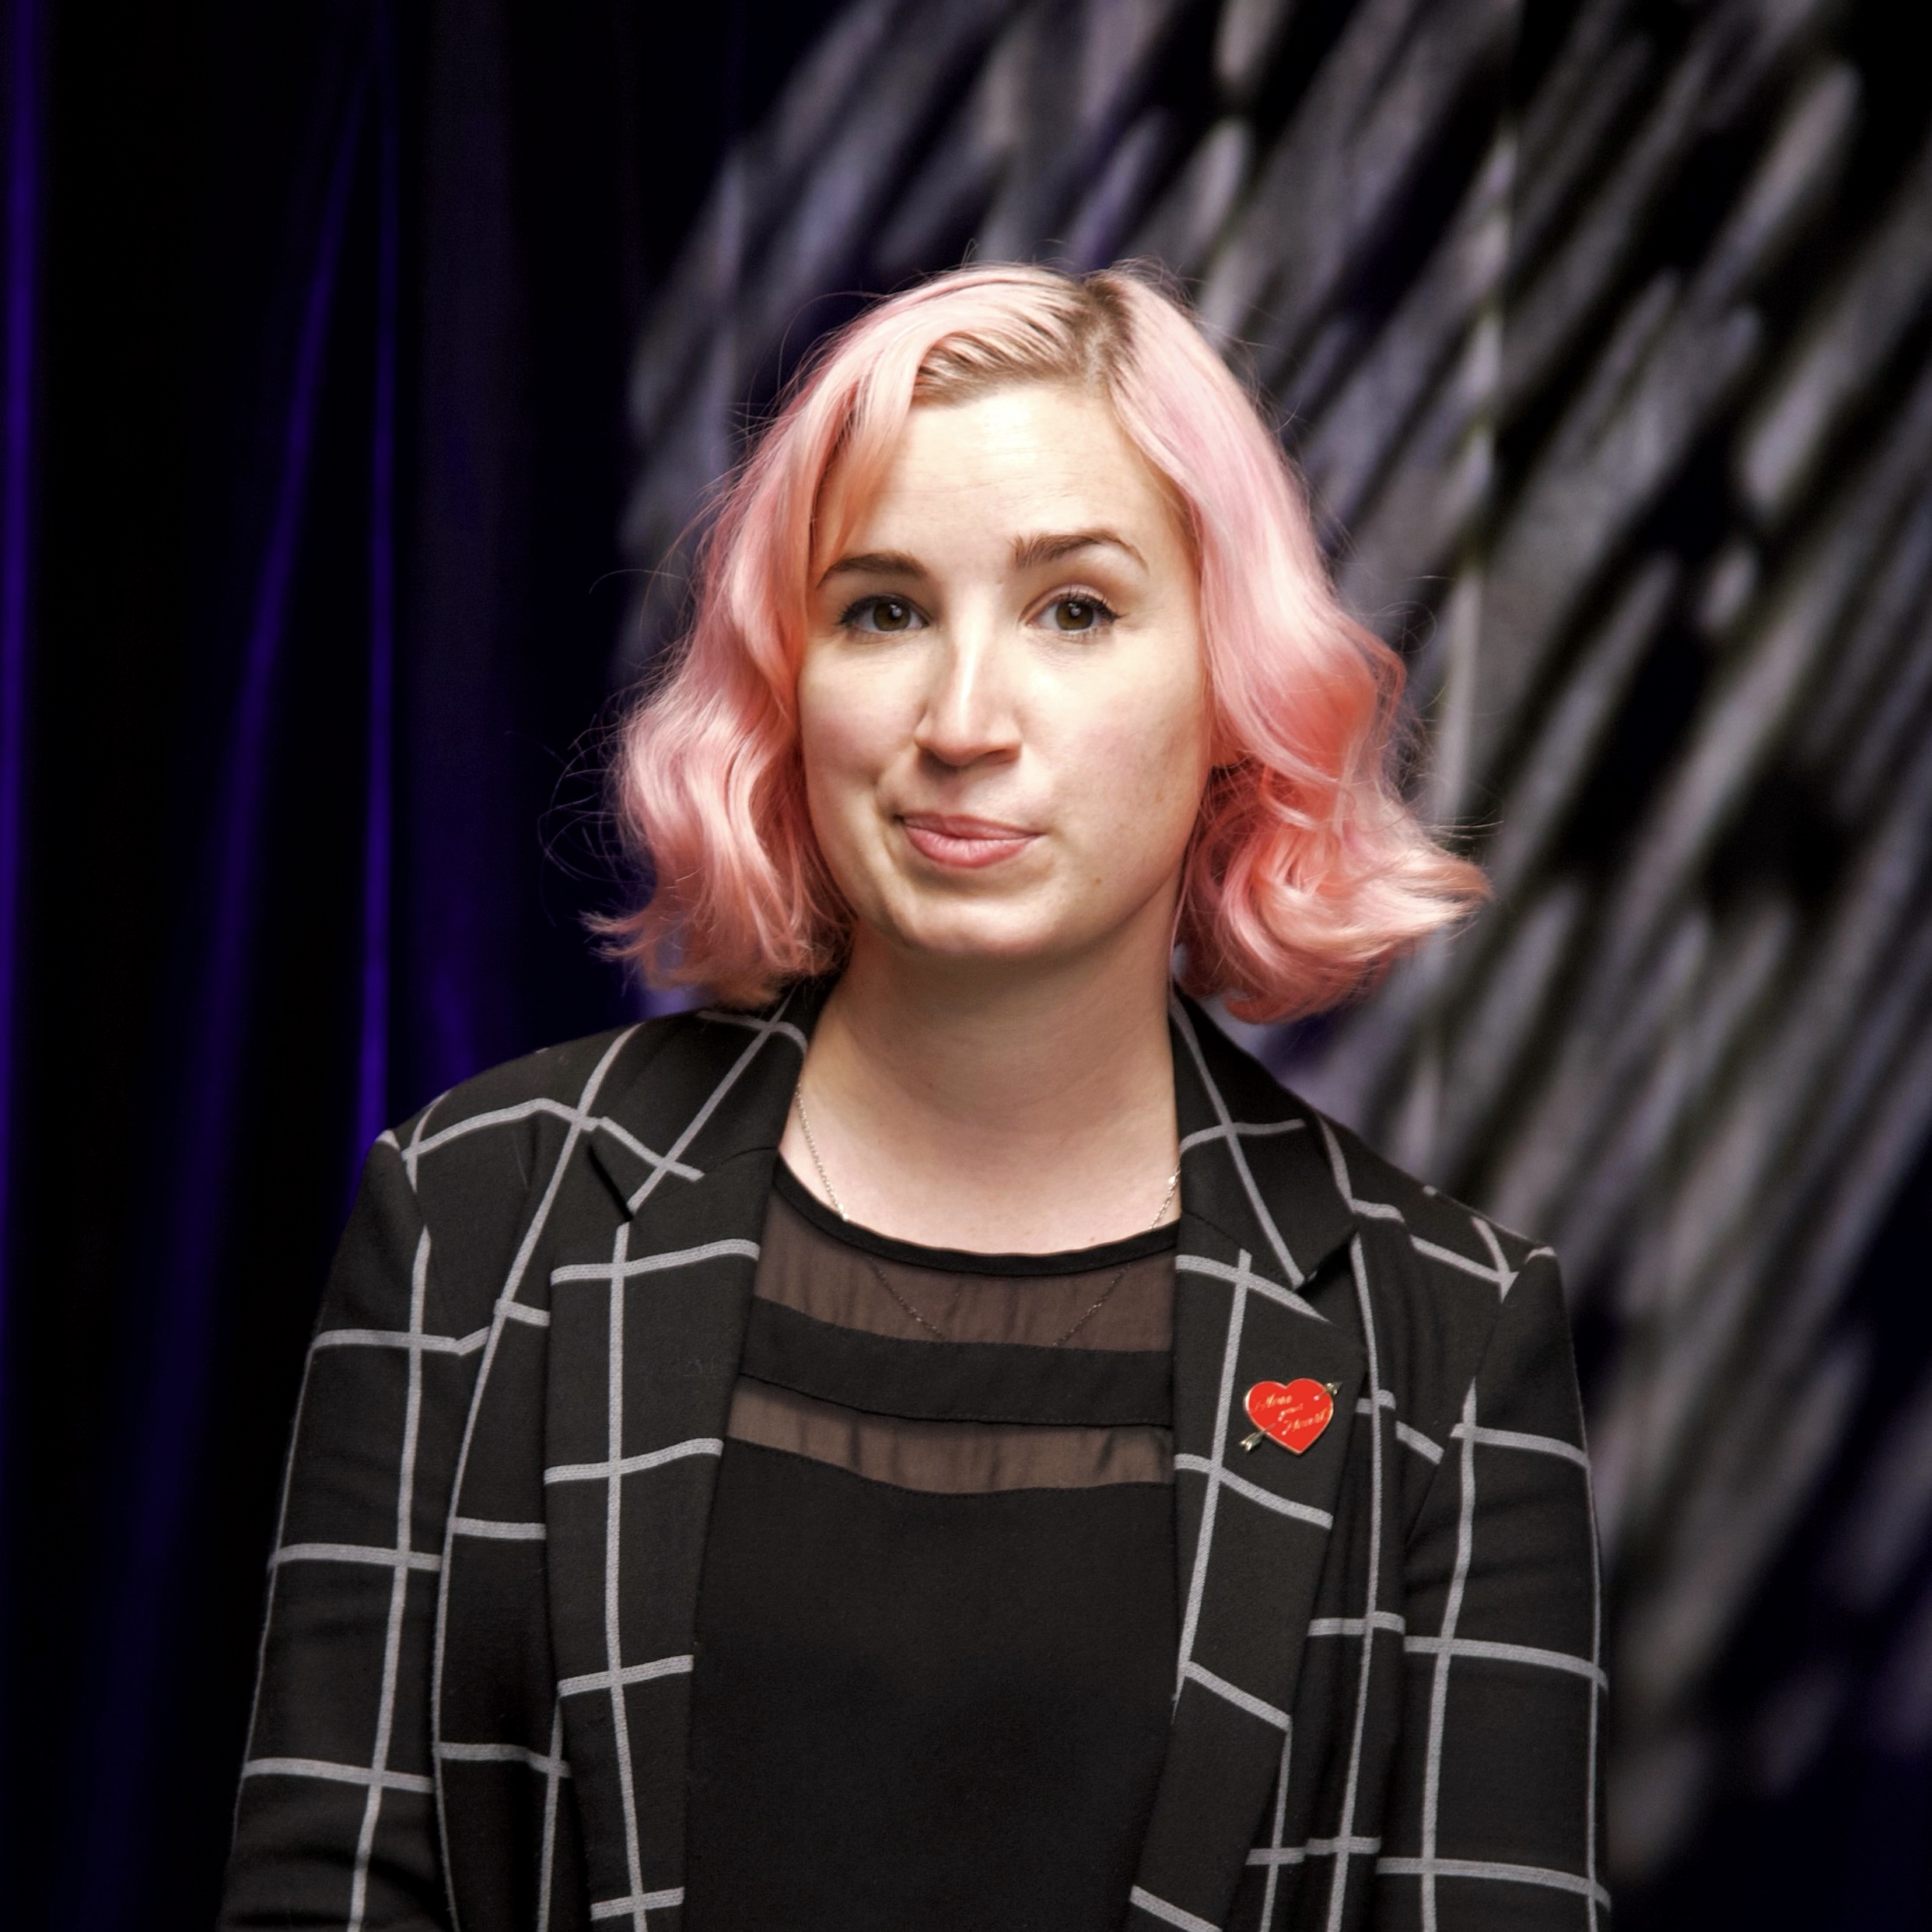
[{"x": 476, "y": 1668}]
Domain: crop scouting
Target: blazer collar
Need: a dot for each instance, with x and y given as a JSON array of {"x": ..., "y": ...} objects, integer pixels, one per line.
[
  {"x": 687, "y": 1143},
  {"x": 1251, "y": 1164},
  {"x": 723, "y": 1079}
]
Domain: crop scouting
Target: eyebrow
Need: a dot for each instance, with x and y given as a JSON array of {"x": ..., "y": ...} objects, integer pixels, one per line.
[
  {"x": 877, "y": 563},
  {"x": 1029, "y": 553}
]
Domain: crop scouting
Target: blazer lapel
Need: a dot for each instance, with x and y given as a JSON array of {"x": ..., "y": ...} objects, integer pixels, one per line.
[
  {"x": 644, "y": 1347},
  {"x": 1260, "y": 1221}
]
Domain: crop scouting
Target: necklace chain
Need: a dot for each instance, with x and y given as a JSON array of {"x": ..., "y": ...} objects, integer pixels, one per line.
[
  {"x": 811, "y": 1143},
  {"x": 879, "y": 1274}
]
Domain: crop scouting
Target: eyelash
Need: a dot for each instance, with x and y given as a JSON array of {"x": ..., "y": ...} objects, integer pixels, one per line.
[{"x": 1103, "y": 612}]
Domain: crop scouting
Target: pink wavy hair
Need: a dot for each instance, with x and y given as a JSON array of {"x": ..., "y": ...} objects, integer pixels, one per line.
[{"x": 1306, "y": 872}]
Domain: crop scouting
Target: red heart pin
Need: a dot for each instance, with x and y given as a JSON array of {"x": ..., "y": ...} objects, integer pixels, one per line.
[{"x": 1294, "y": 1413}]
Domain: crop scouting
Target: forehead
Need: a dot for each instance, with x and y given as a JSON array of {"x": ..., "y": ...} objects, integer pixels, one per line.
[{"x": 1011, "y": 461}]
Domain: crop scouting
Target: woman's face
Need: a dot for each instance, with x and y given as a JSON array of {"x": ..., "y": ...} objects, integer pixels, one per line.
[{"x": 1002, "y": 705}]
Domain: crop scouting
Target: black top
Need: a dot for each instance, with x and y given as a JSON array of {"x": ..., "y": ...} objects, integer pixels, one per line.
[{"x": 937, "y": 1627}]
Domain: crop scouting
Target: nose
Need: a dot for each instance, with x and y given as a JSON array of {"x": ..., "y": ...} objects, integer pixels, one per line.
[{"x": 971, "y": 716}]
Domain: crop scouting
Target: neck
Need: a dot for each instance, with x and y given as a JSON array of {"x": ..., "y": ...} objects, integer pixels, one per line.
[{"x": 980, "y": 1107}]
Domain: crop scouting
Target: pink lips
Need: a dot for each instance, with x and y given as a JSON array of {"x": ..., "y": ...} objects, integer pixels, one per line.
[{"x": 965, "y": 844}]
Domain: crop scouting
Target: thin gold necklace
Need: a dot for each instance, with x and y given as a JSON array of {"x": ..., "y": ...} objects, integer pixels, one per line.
[{"x": 879, "y": 1274}]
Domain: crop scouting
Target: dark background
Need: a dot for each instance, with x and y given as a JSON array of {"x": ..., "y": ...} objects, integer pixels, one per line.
[
  {"x": 185, "y": 1099},
  {"x": 323, "y": 319}
]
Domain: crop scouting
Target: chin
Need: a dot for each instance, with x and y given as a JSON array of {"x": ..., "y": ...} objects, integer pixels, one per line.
[
  {"x": 1009, "y": 936},
  {"x": 1004, "y": 947},
  {"x": 951, "y": 929}
]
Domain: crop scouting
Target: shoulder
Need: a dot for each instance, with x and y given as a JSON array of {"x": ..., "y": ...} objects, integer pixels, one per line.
[
  {"x": 1395, "y": 1211},
  {"x": 480, "y": 1147},
  {"x": 582, "y": 1078},
  {"x": 506, "y": 1127},
  {"x": 1444, "y": 1234},
  {"x": 537, "y": 1141},
  {"x": 1453, "y": 1295},
  {"x": 553, "y": 1078}
]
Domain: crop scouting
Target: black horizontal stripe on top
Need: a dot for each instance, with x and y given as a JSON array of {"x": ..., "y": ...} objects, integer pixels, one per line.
[
  {"x": 936, "y": 1629},
  {"x": 960, "y": 1382}
]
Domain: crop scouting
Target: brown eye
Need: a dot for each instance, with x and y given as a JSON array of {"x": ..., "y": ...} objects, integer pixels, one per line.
[
  {"x": 1076, "y": 613},
  {"x": 889, "y": 616}
]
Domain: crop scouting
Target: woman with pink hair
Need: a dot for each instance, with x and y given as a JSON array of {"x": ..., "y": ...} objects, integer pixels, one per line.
[{"x": 940, "y": 1437}]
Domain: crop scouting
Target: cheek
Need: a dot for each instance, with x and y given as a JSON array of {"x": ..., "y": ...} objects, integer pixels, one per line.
[
  {"x": 849, "y": 733},
  {"x": 1143, "y": 772},
  {"x": 835, "y": 731},
  {"x": 1171, "y": 744}
]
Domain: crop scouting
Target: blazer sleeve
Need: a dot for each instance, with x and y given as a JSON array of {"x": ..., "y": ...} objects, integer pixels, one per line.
[
  {"x": 1495, "y": 1816},
  {"x": 335, "y": 1822}
]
